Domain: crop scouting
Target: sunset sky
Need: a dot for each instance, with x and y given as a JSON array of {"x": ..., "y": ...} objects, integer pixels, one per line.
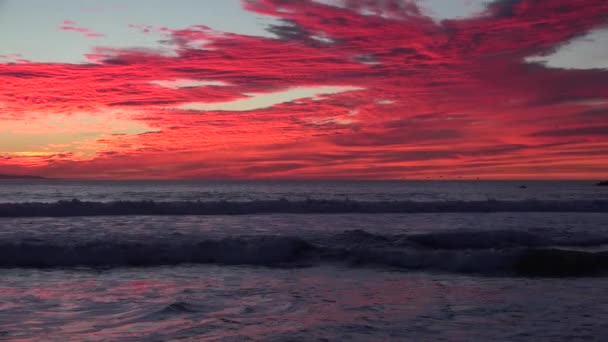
[{"x": 304, "y": 89}]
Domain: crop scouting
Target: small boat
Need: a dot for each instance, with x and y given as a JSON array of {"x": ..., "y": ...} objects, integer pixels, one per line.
[{"x": 604, "y": 183}]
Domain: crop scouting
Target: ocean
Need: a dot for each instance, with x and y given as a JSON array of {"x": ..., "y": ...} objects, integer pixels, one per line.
[{"x": 303, "y": 261}]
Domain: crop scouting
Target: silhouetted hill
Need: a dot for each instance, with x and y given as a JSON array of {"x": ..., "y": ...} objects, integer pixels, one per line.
[
  {"x": 604, "y": 183},
  {"x": 20, "y": 177}
]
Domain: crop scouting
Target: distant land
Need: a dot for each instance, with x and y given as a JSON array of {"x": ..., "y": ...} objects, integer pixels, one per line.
[{"x": 20, "y": 177}]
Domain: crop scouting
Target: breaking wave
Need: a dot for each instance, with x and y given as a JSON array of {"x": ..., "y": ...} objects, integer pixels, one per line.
[
  {"x": 480, "y": 252},
  {"x": 81, "y": 208}
]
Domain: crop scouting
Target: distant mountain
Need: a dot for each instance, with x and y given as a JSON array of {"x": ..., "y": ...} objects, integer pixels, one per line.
[{"x": 20, "y": 177}]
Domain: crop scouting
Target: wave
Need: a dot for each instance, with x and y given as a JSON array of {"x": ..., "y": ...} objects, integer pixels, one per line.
[
  {"x": 82, "y": 208},
  {"x": 178, "y": 307},
  {"x": 486, "y": 253}
]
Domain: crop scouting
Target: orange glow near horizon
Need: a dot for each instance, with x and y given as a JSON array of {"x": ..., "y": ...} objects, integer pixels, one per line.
[{"x": 338, "y": 94}]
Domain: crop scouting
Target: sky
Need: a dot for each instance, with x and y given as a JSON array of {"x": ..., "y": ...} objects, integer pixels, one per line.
[{"x": 304, "y": 89}]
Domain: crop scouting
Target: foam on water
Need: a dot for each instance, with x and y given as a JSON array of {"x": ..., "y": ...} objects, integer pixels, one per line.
[
  {"x": 282, "y": 269},
  {"x": 79, "y": 208},
  {"x": 325, "y": 303},
  {"x": 482, "y": 252}
]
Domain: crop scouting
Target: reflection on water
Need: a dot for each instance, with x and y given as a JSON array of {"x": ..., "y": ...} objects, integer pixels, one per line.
[
  {"x": 235, "y": 303},
  {"x": 419, "y": 191}
]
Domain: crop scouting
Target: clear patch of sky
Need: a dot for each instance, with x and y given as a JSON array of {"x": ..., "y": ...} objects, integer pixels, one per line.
[
  {"x": 188, "y": 83},
  {"x": 455, "y": 9},
  {"x": 587, "y": 52},
  {"x": 259, "y": 101},
  {"x": 31, "y": 27},
  {"x": 76, "y": 133},
  {"x": 439, "y": 9}
]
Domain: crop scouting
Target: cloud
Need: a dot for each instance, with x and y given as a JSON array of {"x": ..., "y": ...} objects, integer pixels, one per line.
[
  {"x": 403, "y": 96},
  {"x": 592, "y": 113},
  {"x": 69, "y": 25},
  {"x": 578, "y": 131}
]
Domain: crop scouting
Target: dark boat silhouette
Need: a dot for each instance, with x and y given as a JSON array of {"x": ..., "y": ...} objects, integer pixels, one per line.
[{"x": 603, "y": 183}]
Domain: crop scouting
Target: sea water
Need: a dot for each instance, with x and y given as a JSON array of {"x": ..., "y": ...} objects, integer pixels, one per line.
[{"x": 285, "y": 261}]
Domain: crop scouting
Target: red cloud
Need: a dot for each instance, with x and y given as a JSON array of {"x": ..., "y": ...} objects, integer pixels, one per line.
[
  {"x": 451, "y": 99},
  {"x": 69, "y": 25}
]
